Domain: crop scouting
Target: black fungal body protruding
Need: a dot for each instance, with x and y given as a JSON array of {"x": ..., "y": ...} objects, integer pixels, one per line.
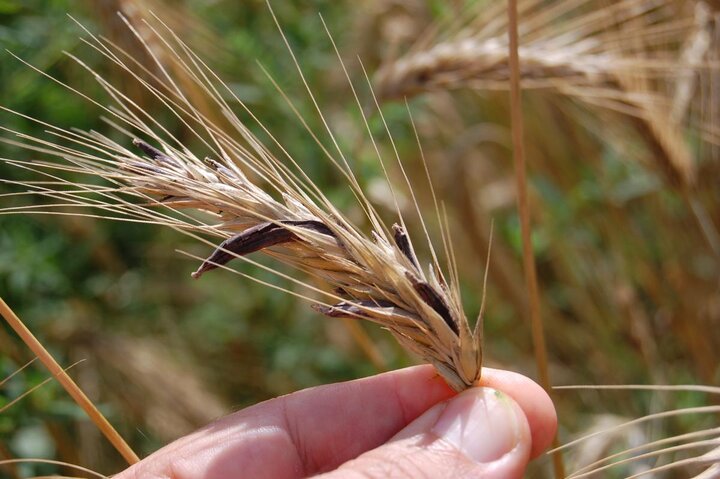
[
  {"x": 152, "y": 152},
  {"x": 256, "y": 238},
  {"x": 312, "y": 225},
  {"x": 434, "y": 300},
  {"x": 403, "y": 243}
]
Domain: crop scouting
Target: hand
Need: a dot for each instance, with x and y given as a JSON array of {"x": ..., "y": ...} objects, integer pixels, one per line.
[{"x": 401, "y": 424}]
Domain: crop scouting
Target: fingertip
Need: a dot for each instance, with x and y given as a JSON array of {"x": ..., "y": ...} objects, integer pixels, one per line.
[
  {"x": 487, "y": 425},
  {"x": 532, "y": 399},
  {"x": 481, "y": 432}
]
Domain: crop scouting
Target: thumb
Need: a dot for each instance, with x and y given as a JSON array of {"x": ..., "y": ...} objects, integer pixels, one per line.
[{"x": 480, "y": 433}]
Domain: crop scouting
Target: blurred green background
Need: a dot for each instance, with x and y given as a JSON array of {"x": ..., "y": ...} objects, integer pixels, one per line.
[{"x": 629, "y": 286}]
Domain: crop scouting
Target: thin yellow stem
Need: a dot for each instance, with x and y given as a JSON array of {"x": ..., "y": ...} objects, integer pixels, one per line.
[
  {"x": 33, "y": 389},
  {"x": 17, "y": 371},
  {"x": 66, "y": 381},
  {"x": 531, "y": 281}
]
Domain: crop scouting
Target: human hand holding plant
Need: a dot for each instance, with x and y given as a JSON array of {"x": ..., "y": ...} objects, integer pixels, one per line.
[{"x": 405, "y": 424}]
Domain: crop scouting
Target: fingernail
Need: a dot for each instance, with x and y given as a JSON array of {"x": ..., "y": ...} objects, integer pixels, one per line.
[{"x": 483, "y": 423}]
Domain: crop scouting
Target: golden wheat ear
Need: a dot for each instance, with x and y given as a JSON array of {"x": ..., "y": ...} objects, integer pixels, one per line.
[
  {"x": 374, "y": 277},
  {"x": 640, "y": 58}
]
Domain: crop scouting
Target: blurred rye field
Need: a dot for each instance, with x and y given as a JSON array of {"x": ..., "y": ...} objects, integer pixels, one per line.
[{"x": 625, "y": 242}]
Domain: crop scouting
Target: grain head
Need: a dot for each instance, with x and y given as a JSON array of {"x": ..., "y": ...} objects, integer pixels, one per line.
[{"x": 157, "y": 179}]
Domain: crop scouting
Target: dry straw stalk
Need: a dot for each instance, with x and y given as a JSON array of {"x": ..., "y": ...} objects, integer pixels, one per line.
[{"x": 67, "y": 383}]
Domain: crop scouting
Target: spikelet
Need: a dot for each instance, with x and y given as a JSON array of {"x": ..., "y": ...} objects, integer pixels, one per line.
[{"x": 158, "y": 180}]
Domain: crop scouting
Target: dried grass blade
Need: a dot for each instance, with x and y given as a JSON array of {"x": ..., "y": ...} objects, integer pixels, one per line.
[
  {"x": 531, "y": 280},
  {"x": 73, "y": 389}
]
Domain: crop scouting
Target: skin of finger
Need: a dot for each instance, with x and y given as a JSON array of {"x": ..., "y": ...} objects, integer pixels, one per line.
[
  {"x": 320, "y": 428},
  {"x": 416, "y": 453},
  {"x": 532, "y": 399},
  {"x": 323, "y": 427}
]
